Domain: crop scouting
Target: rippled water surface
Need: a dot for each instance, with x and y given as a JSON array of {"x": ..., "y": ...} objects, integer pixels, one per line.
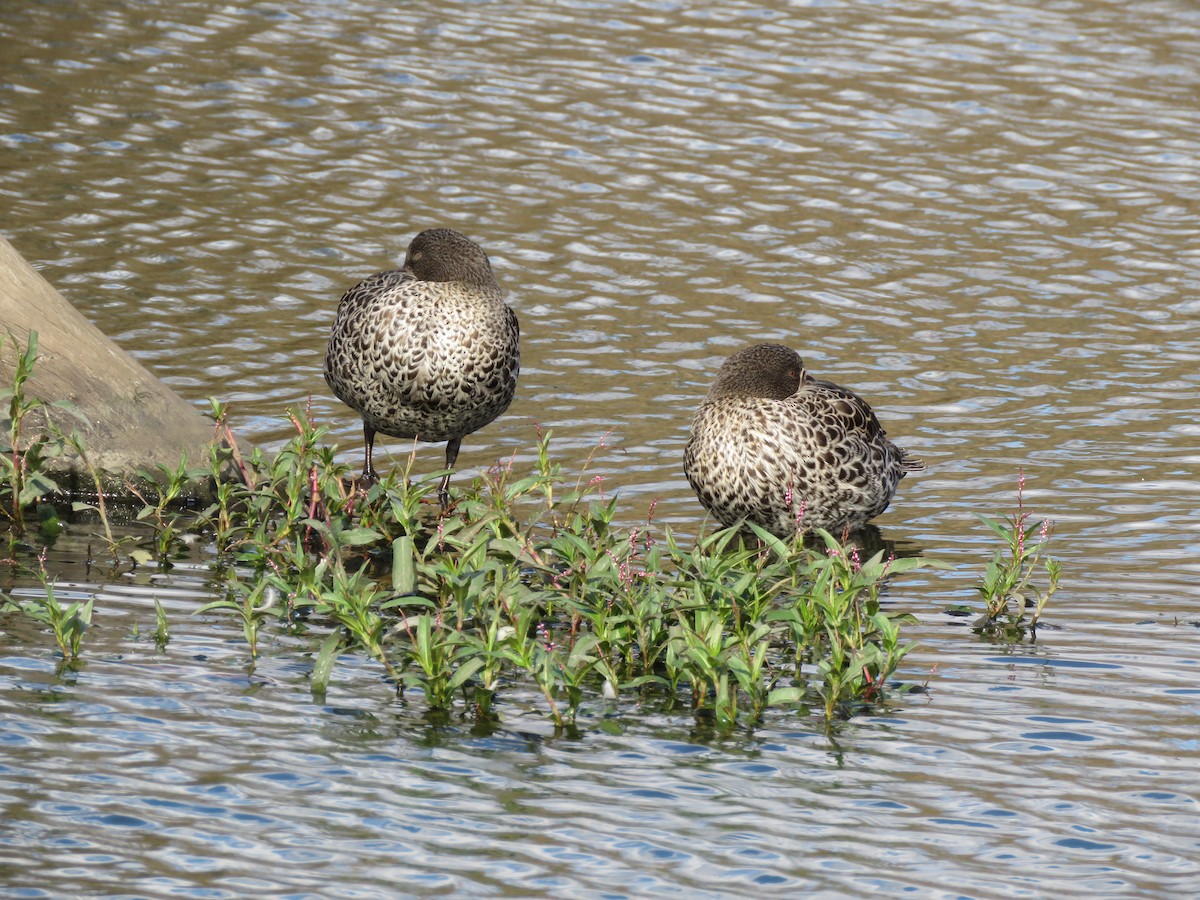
[{"x": 982, "y": 216}]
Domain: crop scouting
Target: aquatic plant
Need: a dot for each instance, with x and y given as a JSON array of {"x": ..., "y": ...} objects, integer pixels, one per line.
[
  {"x": 527, "y": 579},
  {"x": 1008, "y": 586},
  {"x": 162, "y": 628},
  {"x": 30, "y": 435},
  {"x": 253, "y": 605},
  {"x": 34, "y": 438},
  {"x": 159, "y": 510},
  {"x": 68, "y": 623},
  {"x": 76, "y": 443}
]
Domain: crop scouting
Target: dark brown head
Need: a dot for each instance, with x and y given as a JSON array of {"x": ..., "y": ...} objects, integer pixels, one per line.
[
  {"x": 443, "y": 254},
  {"x": 770, "y": 371}
]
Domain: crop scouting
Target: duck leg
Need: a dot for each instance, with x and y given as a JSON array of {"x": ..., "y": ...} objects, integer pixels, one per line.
[
  {"x": 452, "y": 447},
  {"x": 369, "y": 476}
]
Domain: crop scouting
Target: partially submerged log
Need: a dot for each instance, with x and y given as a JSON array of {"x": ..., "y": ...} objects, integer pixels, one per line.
[{"x": 130, "y": 421}]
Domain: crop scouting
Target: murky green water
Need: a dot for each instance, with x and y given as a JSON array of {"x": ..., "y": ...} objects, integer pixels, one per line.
[{"x": 982, "y": 216}]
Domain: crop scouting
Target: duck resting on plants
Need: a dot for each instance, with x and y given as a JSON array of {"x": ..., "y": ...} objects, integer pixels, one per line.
[
  {"x": 774, "y": 446},
  {"x": 427, "y": 352}
]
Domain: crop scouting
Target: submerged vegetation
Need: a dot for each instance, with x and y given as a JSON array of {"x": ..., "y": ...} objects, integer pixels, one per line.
[{"x": 525, "y": 581}]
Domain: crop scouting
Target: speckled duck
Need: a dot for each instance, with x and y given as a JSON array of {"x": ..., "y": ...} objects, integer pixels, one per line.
[
  {"x": 774, "y": 446},
  {"x": 429, "y": 351}
]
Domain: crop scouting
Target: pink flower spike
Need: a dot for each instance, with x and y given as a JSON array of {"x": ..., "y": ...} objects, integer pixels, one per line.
[{"x": 597, "y": 480}]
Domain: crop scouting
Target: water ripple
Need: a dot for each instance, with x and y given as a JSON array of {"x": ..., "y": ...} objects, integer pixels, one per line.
[{"x": 979, "y": 215}]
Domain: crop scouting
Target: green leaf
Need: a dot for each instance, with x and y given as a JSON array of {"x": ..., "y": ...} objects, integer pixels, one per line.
[
  {"x": 356, "y": 537},
  {"x": 781, "y": 548},
  {"x": 37, "y": 484},
  {"x": 644, "y": 679},
  {"x": 514, "y": 549},
  {"x": 1000, "y": 528},
  {"x": 741, "y": 671},
  {"x": 465, "y": 671},
  {"x": 161, "y": 626},
  {"x": 323, "y": 665},
  {"x": 216, "y": 604},
  {"x": 785, "y": 695},
  {"x": 521, "y": 487},
  {"x": 583, "y": 645},
  {"x": 908, "y": 563},
  {"x": 404, "y": 574},
  {"x": 407, "y": 601}
]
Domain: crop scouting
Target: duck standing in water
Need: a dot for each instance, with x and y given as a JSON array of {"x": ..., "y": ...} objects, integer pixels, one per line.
[
  {"x": 427, "y": 352},
  {"x": 774, "y": 446}
]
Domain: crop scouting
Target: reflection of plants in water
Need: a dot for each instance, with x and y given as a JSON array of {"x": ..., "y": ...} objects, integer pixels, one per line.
[{"x": 1008, "y": 586}]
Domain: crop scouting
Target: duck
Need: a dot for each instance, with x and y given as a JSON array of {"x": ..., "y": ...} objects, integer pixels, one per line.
[
  {"x": 772, "y": 445},
  {"x": 429, "y": 351}
]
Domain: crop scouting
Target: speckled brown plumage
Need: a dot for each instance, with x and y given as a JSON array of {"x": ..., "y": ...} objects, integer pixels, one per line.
[
  {"x": 429, "y": 351},
  {"x": 774, "y": 446}
]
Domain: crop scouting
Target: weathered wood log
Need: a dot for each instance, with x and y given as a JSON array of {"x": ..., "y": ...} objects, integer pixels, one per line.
[{"x": 129, "y": 420}]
